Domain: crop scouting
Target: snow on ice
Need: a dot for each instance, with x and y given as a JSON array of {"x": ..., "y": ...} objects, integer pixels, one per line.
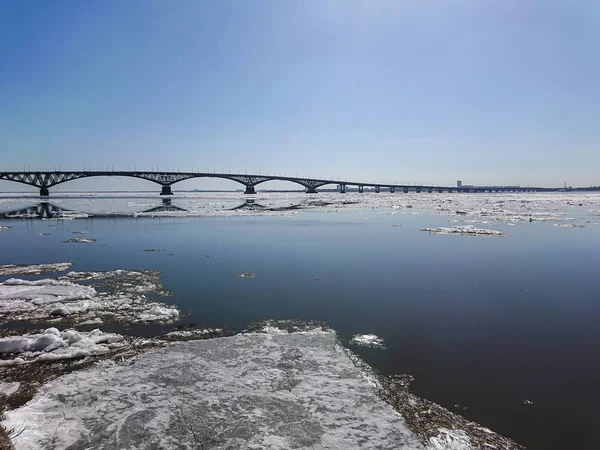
[
  {"x": 36, "y": 269},
  {"x": 53, "y": 344},
  {"x": 117, "y": 296},
  {"x": 367, "y": 340},
  {"x": 252, "y": 390},
  {"x": 467, "y": 230}
]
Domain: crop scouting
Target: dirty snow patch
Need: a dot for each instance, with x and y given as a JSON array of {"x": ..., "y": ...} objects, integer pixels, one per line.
[
  {"x": 450, "y": 439},
  {"x": 9, "y": 389}
]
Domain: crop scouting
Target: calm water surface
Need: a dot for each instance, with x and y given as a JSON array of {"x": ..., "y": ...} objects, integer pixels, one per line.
[{"x": 482, "y": 323}]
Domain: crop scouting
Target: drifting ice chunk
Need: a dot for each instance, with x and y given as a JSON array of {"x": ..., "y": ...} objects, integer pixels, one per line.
[
  {"x": 81, "y": 240},
  {"x": 468, "y": 230},
  {"x": 367, "y": 340}
]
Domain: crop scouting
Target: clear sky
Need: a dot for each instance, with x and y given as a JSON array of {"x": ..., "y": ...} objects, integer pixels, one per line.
[{"x": 423, "y": 91}]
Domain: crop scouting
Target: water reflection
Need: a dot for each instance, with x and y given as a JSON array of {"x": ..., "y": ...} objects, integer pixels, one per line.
[{"x": 49, "y": 210}]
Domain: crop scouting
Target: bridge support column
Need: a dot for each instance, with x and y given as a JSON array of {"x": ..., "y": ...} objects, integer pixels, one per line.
[
  {"x": 250, "y": 190},
  {"x": 377, "y": 188},
  {"x": 44, "y": 192},
  {"x": 391, "y": 190},
  {"x": 342, "y": 188},
  {"x": 418, "y": 191},
  {"x": 361, "y": 189},
  {"x": 311, "y": 191},
  {"x": 440, "y": 190},
  {"x": 449, "y": 191},
  {"x": 406, "y": 190},
  {"x": 166, "y": 190},
  {"x": 430, "y": 190}
]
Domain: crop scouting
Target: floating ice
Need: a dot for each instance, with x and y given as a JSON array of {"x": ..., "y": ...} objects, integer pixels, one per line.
[
  {"x": 468, "y": 230},
  {"x": 252, "y": 390},
  {"x": 367, "y": 340},
  {"x": 117, "y": 296},
  {"x": 245, "y": 275},
  {"x": 3, "y": 228},
  {"x": 80, "y": 240},
  {"x": 568, "y": 225},
  {"x": 53, "y": 344},
  {"x": 191, "y": 334},
  {"x": 36, "y": 269}
]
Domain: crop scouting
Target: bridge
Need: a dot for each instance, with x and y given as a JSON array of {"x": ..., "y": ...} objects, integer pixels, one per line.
[{"x": 46, "y": 180}]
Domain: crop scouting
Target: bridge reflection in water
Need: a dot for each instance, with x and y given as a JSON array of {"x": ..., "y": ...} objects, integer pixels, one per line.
[{"x": 48, "y": 210}]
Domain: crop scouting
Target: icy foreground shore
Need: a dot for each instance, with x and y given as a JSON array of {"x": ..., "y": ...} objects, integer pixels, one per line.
[{"x": 249, "y": 391}]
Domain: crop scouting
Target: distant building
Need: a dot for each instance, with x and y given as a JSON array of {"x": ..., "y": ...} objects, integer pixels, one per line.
[{"x": 459, "y": 184}]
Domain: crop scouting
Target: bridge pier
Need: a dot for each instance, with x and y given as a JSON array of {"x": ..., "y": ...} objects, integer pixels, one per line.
[
  {"x": 406, "y": 190},
  {"x": 449, "y": 191},
  {"x": 361, "y": 189},
  {"x": 311, "y": 191},
  {"x": 44, "y": 192},
  {"x": 430, "y": 190},
  {"x": 377, "y": 188},
  {"x": 342, "y": 188},
  {"x": 250, "y": 190},
  {"x": 391, "y": 190},
  {"x": 166, "y": 190},
  {"x": 418, "y": 190}
]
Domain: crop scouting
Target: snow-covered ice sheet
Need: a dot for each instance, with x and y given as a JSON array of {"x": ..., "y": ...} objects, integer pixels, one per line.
[
  {"x": 34, "y": 269},
  {"x": 117, "y": 296},
  {"x": 253, "y": 390}
]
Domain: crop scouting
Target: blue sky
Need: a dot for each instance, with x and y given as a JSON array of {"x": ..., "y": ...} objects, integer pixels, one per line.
[{"x": 494, "y": 92}]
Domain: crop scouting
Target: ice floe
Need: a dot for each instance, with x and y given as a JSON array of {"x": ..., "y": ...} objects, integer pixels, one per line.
[
  {"x": 245, "y": 275},
  {"x": 53, "y": 345},
  {"x": 367, "y": 340},
  {"x": 252, "y": 390},
  {"x": 80, "y": 240},
  {"x": 35, "y": 269},
  {"x": 468, "y": 230},
  {"x": 188, "y": 334},
  {"x": 568, "y": 225},
  {"x": 116, "y": 296},
  {"x": 3, "y": 228}
]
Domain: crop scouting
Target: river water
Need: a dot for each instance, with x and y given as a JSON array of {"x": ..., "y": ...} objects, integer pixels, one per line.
[{"x": 503, "y": 330}]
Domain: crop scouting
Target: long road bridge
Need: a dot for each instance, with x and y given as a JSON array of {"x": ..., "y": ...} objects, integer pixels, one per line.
[{"x": 46, "y": 180}]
